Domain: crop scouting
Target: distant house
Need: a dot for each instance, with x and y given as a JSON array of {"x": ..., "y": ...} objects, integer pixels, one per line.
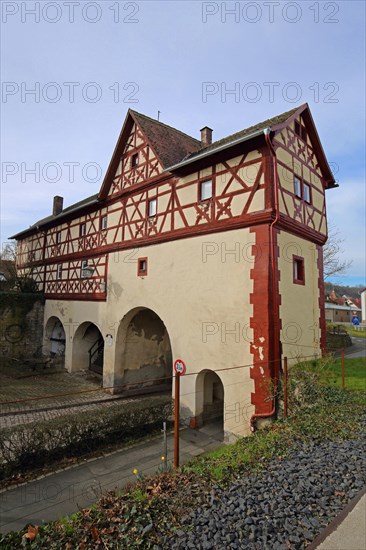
[
  {"x": 363, "y": 304},
  {"x": 335, "y": 313}
]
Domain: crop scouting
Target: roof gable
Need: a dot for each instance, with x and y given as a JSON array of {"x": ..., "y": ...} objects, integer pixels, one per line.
[{"x": 168, "y": 144}]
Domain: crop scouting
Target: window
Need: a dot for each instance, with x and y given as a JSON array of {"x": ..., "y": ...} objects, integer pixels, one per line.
[
  {"x": 306, "y": 192},
  {"x": 103, "y": 223},
  {"x": 59, "y": 271},
  {"x": 58, "y": 237},
  {"x": 297, "y": 187},
  {"x": 205, "y": 190},
  {"x": 84, "y": 265},
  {"x": 134, "y": 160},
  {"x": 142, "y": 266},
  {"x": 152, "y": 207},
  {"x": 300, "y": 130},
  {"x": 82, "y": 230},
  {"x": 299, "y": 271}
]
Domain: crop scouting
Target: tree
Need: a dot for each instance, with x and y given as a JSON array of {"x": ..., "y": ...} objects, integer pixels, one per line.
[
  {"x": 15, "y": 281},
  {"x": 332, "y": 251}
]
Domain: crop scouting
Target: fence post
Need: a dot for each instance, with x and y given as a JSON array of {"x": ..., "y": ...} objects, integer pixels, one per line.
[
  {"x": 285, "y": 397},
  {"x": 176, "y": 419},
  {"x": 343, "y": 380}
]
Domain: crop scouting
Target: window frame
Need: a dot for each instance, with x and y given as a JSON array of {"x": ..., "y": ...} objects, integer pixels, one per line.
[
  {"x": 134, "y": 160},
  {"x": 142, "y": 272},
  {"x": 297, "y": 179},
  {"x": 58, "y": 237},
  {"x": 296, "y": 261},
  {"x": 308, "y": 186},
  {"x": 149, "y": 202},
  {"x": 59, "y": 272},
  {"x": 82, "y": 229},
  {"x": 102, "y": 219},
  {"x": 84, "y": 264},
  {"x": 200, "y": 188}
]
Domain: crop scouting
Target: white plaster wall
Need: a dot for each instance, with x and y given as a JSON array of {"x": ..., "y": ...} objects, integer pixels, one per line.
[{"x": 200, "y": 287}]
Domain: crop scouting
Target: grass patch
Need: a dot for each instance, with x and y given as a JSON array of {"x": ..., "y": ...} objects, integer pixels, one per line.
[{"x": 331, "y": 373}]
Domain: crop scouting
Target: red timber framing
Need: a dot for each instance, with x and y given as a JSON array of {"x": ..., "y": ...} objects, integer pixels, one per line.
[
  {"x": 242, "y": 197},
  {"x": 265, "y": 322},
  {"x": 322, "y": 323}
]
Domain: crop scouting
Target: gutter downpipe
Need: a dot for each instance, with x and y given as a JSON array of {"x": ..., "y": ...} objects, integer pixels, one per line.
[{"x": 272, "y": 151}]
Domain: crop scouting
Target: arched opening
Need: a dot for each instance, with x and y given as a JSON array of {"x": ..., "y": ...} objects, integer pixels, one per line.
[
  {"x": 88, "y": 348},
  {"x": 143, "y": 353},
  {"x": 55, "y": 341},
  {"x": 209, "y": 399}
]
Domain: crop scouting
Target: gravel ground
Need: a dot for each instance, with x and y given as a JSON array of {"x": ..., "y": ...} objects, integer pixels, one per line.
[{"x": 281, "y": 509}]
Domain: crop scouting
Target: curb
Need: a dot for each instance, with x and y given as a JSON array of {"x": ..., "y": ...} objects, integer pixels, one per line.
[{"x": 333, "y": 525}]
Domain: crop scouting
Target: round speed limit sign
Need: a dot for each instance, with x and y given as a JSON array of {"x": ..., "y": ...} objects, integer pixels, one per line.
[{"x": 179, "y": 367}]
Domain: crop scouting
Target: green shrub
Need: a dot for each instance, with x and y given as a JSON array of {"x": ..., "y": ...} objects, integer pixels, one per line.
[{"x": 32, "y": 445}]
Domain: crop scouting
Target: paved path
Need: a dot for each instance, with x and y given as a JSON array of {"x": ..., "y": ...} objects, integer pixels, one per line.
[
  {"x": 359, "y": 345},
  {"x": 67, "y": 491},
  {"x": 347, "y": 531}
]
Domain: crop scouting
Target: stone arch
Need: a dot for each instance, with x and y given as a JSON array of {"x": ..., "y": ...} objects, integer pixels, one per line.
[
  {"x": 54, "y": 342},
  {"x": 88, "y": 348},
  {"x": 209, "y": 398},
  {"x": 144, "y": 361}
]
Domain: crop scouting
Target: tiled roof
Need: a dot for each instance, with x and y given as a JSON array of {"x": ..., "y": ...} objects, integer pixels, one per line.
[
  {"x": 65, "y": 211},
  {"x": 171, "y": 145},
  {"x": 246, "y": 132}
]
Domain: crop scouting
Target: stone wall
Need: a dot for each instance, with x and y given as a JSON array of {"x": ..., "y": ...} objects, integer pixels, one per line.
[{"x": 21, "y": 326}]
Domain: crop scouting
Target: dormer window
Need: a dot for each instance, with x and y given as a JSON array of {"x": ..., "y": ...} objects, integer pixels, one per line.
[
  {"x": 134, "y": 160},
  {"x": 205, "y": 191}
]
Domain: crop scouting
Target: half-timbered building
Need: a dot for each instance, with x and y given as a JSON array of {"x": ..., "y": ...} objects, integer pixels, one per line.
[{"x": 210, "y": 252}]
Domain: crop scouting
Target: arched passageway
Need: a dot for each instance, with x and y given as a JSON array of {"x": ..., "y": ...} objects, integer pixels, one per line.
[
  {"x": 143, "y": 353},
  {"x": 209, "y": 399},
  {"x": 88, "y": 348},
  {"x": 55, "y": 340}
]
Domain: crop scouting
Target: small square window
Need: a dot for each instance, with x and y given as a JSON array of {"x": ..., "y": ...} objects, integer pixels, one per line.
[
  {"x": 134, "y": 160},
  {"x": 103, "y": 223},
  {"x": 299, "y": 270},
  {"x": 297, "y": 187},
  {"x": 152, "y": 208},
  {"x": 82, "y": 230},
  {"x": 306, "y": 192},
  {"x": 142, "y": 267},
  {"x": 58, "y": 237},
  {"x": 59, "y": 271},
  {"x": 205, "y": 190}
]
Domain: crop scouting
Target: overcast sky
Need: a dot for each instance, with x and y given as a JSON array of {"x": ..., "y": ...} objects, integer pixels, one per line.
[{"x": 70, "y": 71}]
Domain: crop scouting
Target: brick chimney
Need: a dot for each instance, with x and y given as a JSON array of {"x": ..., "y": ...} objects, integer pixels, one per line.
[
  {"x": 206, "y": 136},
  {"x": 58, "y": 204}
]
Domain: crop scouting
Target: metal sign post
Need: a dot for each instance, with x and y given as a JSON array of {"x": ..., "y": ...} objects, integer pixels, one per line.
[{"x": 179, "y": 369}]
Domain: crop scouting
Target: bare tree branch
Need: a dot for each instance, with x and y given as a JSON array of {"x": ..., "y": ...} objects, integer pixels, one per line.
[{"x": 332, "y": 251}]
